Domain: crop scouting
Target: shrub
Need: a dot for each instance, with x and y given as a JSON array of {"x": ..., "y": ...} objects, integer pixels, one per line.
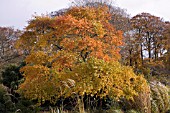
[
  {"x": 117, "y": 111},
  {"x": 11, "y": 76},
  {"x": 6, "y": 103},
  {"x": 142, "y": 101},
  {"x": 132, "y": 111},
  {"x": 159, "y": 97}
]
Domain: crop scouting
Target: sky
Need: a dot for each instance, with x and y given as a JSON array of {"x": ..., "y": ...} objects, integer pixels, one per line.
[{"x": 16, "y": 13}]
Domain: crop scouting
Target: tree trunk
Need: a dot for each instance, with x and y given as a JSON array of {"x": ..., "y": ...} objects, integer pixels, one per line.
[
  {"x": 130, "y": 60},
  {"x": 141, "y": 53},
  {"x": 149, "y": 46}
]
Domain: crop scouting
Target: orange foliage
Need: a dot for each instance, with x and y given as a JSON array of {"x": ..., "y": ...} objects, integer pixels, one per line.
[
  {"x": 80, "y": 30},
  {"x": 57, "y": 45}
]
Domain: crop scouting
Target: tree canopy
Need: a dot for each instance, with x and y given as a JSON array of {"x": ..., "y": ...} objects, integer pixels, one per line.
[{"x": 75, "y": 53}]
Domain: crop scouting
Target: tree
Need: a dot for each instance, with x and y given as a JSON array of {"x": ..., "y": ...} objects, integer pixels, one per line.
[
  {"x": 8, "y": 36},
  {"x": 149, "y": 34},
  {"x": 87, "y": 32},
  {"x": 59, "y": 43},
  {"x": 167, "y": 44},
  {"x": 130, "y": 55},
  {"x": 145, "y": 39},
  {"x": 119, "y": 18},
  {"x": 70, "y": 50}
]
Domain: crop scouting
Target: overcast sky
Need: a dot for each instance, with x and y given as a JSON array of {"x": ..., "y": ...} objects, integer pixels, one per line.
[{"x": 16, "y": 13}]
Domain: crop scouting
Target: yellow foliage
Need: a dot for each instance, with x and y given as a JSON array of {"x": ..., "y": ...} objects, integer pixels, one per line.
[
  {"x": 75, "y": 53},
  {"x": 106, "y": 78},
  {"x": 37, "y": 58}
]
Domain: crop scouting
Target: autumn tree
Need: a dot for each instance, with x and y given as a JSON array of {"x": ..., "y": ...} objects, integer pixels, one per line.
[
  {"x": 68, "y": 51},
  {"x": 128, "y": 50},
  {"x": 149, "y": 34},
  {"x": 87, "y": 32},
  {"x": 166, "y": 56},
  {"x": 121, "y": 21},
  {"x": 119, "y": 18}
]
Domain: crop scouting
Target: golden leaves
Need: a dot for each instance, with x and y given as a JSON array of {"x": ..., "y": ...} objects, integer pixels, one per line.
[
  {"x": 106, "y": 78},
  {"x": 69, "y": 54},
  {"x": 37, "y": 58}
]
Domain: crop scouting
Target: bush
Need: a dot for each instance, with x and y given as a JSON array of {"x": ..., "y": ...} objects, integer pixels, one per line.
[
  {"x": 142, "y": 101},
  {"x": 117, "y": 111},
  {"x": 168, "y": 111},
  {"x": 26, "y": 106},
  {"x": 7, "y": 106},
  {"x": 132, "y": 111},
  {"x": 11, "y": 76},
  {"x": 10, "y": 101},
  {"x": 6, "y": 103},
  {"x": 159, "y": 97}
]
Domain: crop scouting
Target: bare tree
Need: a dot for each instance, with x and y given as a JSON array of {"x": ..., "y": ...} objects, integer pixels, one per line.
[{"x": 8, "y": 36}]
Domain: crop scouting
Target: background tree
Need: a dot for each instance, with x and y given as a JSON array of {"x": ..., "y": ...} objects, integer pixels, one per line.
[
  {"x": 149, "y": 34},
  {"x": 145, "y": 39},
  {"x": 8, "y": 52},
  {"x": 167, "y": 44},
  {"x": 8, "y": 36}
]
